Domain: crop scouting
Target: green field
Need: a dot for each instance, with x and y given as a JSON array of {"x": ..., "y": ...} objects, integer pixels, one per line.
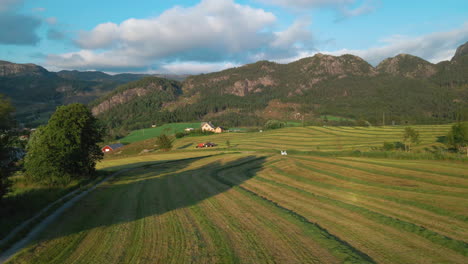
[
  {"x": 252, "y": 205},
  {"x": 148, "y": 133},
  {"x": 312, "y": 138}
]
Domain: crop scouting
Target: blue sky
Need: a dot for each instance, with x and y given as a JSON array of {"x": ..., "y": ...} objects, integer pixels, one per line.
[{"x": 194, "y": 36}]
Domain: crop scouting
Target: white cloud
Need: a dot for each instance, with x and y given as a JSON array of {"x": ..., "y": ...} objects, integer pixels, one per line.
[
  {"x": 212, "y": 23},
  {"x": 434, "y": 47},
  {"x": 295, "y": 34},
  {"x": 211, "y": 31},
  {"x": 51, "y": 20},
  {"x": 103, "y": 35},
  {"x": 365, "y": 8},
  {"x": 307, "y": 3},
  {"x": 345, "y": 8},
  {"x": 195, "y": 67},
  {"x": 39, "y": 9},
  {"x": 6, "y": 5}
]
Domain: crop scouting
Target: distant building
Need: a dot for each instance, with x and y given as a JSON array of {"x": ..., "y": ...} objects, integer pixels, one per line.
[
  {"x": 219, "y": 130},
  {"x": 111, "y": 147},
  {"x": 207, "y": 126},
  {"x": 189, "y": 129}
]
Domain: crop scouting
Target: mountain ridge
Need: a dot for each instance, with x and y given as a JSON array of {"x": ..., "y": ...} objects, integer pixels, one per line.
[
  {"x": 404, "y": 87},
  {"x": 345, "y": 85}
]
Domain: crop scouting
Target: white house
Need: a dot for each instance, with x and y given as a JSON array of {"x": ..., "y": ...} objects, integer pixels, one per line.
[{"x": 207, "y": 126}]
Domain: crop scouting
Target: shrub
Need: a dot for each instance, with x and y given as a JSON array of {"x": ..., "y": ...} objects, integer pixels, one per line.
[
  {"x": 388, "y": 146},
  {"x": 180, "y": 135},
  {"x": 457, "y": 138},
  {"x": 164, "y": 142},
  {"x": 274, "y": 124}
]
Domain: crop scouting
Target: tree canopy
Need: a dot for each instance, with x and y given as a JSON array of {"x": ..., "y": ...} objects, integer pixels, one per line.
[
  {"x": 6, "y": 120},
  {"x": 457, "y": 138},
  {"x": 65, "y": 148},
  {"x": 164, "y": 142},
  {"x": 410, "y": 136},
  {"x": 6, "y": 110}
]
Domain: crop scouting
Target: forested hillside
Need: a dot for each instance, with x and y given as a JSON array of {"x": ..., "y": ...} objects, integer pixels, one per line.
[
  {"x": 403, "y": 89},
  {"x": 36, "y": 92}
]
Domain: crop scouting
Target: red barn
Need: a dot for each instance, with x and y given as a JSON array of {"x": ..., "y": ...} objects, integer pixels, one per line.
[{"x": 111, "y": 147}]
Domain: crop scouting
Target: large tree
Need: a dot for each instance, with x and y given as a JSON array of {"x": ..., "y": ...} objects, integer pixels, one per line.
[
  {"x": 410, "y": 135},
  {"x": 6, "y": 121},
  {"x": 457, "y": 138},
  {"x": 65, "y": 148}
]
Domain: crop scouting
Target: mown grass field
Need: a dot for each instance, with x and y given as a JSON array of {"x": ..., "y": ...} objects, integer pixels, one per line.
[
  {"x": 313, "y": 138},
  {"x": 249, "y": 205},
  {"x": 148, "y": 133}
]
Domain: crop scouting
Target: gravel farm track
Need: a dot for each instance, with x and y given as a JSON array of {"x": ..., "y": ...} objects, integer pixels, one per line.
[{"x": 222, "y": 206}]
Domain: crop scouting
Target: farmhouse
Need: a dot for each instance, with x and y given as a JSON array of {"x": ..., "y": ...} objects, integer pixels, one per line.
[
  {"x": 207, "y": 126},
  {"x": 111, "y": 147},
  {"x": 219, "y": 130}
]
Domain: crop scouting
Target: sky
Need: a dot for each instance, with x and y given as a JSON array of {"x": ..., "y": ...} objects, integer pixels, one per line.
[{"x": 201, "y": 36}]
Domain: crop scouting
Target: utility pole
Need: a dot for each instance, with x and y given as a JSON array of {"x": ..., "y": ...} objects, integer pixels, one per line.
[{"x": 383, "y": 119}]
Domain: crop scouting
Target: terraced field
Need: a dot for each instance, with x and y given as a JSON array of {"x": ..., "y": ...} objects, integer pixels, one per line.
[
  {"x": 249, "y": 207},
  {"x": 321, "y": 138}
]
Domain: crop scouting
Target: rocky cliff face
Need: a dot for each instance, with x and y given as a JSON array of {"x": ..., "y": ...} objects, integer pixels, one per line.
[
  {"x": 408, "y": 66},
  {"x": 118, "y": 99},
  {"x": 461, "y": 51},
  {"x": 8, "y": 69},
  {"x": 245, "y": 87},
  {"x": 342, "y": 66},
  {"x": 130, "y": 91}
]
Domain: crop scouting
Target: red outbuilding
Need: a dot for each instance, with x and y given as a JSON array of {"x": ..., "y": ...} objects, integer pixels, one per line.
[{"x": 111, "y": 147}]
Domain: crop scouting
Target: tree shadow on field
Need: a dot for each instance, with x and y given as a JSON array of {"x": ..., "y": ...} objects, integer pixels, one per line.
[
  {"x": 150, "y": 191},
  {"x": 185, "y": 146}
]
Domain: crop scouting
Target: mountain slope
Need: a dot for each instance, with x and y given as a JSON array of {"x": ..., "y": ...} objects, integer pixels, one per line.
[
  {"x": 407, "y": 65},
  {"x": 36, "y": 92},
  {"x": 404, "y": 88},
  {"x": 130, "y": 104}
]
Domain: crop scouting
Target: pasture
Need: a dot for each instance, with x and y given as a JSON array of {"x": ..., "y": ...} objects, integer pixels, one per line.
[
  {"x": 311, "y": 138},
  {"x": 248, "y": 204},
  {"x": 147, "y": 133}
]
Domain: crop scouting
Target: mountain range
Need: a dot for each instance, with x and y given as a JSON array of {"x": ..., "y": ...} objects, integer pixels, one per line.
[
  {"x": 35, "y": 92},
  {"x": 404, "y": 89}
]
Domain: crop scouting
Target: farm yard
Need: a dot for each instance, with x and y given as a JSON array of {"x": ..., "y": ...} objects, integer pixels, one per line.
[{"x": 248, "y": 204}]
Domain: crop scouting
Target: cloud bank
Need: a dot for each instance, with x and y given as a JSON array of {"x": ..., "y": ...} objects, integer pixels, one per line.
[
  {"x": 433, "y": 47},
  {"x": 15, "y": 28},
  {"x": 212, "y": 31},
  {"x": 345, "y": 8}
]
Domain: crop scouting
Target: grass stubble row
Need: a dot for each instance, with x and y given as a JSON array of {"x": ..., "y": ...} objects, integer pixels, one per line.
[{"x": 250, "y": 209}]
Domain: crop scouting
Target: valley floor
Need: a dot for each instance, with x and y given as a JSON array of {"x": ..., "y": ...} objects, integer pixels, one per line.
[{"x": 249, "y": 207}]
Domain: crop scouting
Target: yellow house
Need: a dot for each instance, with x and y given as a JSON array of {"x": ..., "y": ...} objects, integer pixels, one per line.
[
  {"x": 219, "y": 130},
  {"x": 207, "y": 126}
]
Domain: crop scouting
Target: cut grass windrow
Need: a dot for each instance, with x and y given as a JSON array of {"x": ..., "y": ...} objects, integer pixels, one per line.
[
  {"x": 408, "y": 168},
  {"x": 340, "y": 248},
  {"x": 380, "y": 185},
  {"x": 456, "y": 245},
  {"x": 424, "y": 206},
  {"x": 386, "y": 173}
]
